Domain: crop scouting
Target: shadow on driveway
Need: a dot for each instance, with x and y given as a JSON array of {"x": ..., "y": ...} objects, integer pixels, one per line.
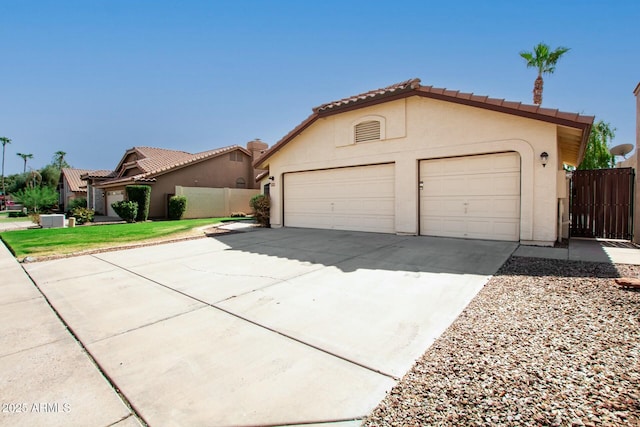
[{"x": 350, "y": 251}]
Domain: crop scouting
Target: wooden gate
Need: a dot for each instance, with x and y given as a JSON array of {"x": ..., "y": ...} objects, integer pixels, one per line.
[{"x": 602, "y": 203}]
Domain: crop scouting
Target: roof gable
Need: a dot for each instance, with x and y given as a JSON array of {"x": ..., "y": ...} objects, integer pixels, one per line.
[
  {"x": 414, "y": 88},
  {"x": 72, "y": 176},
  {"x": 152, "y": 162}
]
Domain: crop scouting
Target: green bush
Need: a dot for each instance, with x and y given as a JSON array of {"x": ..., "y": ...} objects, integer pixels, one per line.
[
  {"x": 37, "y": 199},
  {"x": 17, "y": 214},
  {"x": 80, "y": 202},
  {"x": 141, "y": 194},
  {"x": 126, "y": 210},
  {"x": 261, "y": 205},
  {"x": 83, "y": 215},
  {"x": 177, "y": 207}
]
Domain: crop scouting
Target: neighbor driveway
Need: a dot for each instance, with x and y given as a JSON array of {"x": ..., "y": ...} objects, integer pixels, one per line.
[{"x": 267, "y": 327}]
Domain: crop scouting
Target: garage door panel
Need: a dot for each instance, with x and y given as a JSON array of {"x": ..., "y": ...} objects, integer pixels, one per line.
[
  {"x": 442, "y": 207},
  {"x": 471, "y": 197},
  {"x": 356, "y": 198}
]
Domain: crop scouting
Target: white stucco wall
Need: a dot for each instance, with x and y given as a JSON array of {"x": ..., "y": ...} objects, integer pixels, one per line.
[{"x": 421, "y": 128}]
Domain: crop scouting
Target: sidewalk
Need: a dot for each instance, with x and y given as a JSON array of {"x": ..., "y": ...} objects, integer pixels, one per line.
[
  {"x": 588, "y": 250},
  {"x": 46, "y": 377}
]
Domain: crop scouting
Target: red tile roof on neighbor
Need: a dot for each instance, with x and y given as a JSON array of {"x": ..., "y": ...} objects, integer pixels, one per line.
[
  {"x": 414, "y": 88},
  {"x": 158, "y": 161},
  {"x": 101, "y": 173},
  {"x": 73, "y": 179}
]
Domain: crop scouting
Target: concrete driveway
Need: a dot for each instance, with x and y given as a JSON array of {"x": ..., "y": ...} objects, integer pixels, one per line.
[{"x": 268, "y": 327}]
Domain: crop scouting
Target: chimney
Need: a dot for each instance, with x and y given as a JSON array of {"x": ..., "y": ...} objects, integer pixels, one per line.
[{"x": 257, "y": 148}]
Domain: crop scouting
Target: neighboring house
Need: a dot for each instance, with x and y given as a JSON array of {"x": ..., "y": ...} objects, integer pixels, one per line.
[
  {"x": 418, "y": 160},
  {"x": 71, "y": 186},
  {"x": 163, "y": 170}
]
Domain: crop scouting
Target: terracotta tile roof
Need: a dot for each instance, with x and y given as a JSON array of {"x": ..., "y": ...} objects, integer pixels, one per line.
[
  {"x": 377, "y": 93},
  {"x": 413, "y": 87},
  {"x": 158, "y": 161},
  {"x": 102, "y": 173},
  {"x": 499, "y": 104},
  {"x": 73, "y": 178}
]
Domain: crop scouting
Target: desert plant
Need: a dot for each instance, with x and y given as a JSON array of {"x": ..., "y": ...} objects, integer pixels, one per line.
[
  {"x": 238, "y": 214},
  {"x": 261, "y": 205},
  {"x": 177, "y": 207},
  {"x": 82, "y": 215},
  {"x": 141, "y": 194},
  {"x": 126, "y": 210},
  {"x": 35, "y": 217}
]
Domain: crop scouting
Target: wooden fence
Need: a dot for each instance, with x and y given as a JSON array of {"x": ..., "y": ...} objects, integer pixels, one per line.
[{"x": 602, "y": 203}]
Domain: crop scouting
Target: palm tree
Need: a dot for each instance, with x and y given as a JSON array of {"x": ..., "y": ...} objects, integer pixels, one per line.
[
  {"x": 58, "y": 159},
  {"x": 25, "y": 157},
  {"x": 4, "y": 141},
  {"x": 545, "y": 61}
]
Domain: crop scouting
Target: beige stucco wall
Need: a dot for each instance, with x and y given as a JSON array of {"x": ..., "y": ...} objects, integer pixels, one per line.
[
  {"x": 421, "y": 128},
  {"x": 219, "y": 172},
  {"x": 215, "y": 202}
]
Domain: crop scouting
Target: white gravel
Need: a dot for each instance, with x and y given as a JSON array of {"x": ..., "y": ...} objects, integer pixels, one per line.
[{"x": 545, "y": 343}]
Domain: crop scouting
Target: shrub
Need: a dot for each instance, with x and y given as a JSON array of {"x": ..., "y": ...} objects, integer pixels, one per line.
[
  {"x": 238, "y": 214},
  {"x": 141, "y": 194},
  {"x": 261, "y": 205},
  {"x": 37, "y": 199},
  {"x": 17, "y": 214},
  {"x": 80, "y": 202},
  {"x": 126, "y": 210},
  {"x": 83, "y": 215},
  {"x": 177, "y": 207},
  {"x": 35, "y": 217}
]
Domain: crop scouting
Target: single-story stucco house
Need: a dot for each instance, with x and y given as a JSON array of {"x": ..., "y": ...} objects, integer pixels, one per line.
[
  {"x": 418, "y": 160},
  {"x": 163, "y": 170},
  {"x": 71, "y": 186}
]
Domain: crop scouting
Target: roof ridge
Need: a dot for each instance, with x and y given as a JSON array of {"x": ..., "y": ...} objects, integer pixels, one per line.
[{"x": 405, "y": 85}]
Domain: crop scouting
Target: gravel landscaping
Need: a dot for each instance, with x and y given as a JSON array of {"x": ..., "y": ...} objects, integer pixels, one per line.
[{"x": 546, "y": 342}]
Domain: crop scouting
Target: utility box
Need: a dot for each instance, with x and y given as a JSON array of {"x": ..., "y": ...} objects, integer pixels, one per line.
[{"x": 52, "y": 221}]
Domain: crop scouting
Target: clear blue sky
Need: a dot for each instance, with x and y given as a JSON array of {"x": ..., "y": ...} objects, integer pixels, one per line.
[{"x": 94, "y": 78}]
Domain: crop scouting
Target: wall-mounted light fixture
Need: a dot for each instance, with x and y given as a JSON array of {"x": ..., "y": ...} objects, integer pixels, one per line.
[{"x": 544, "y": 157}]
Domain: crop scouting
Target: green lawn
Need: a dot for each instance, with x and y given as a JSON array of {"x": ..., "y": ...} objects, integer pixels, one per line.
[{"x": 60, "y": 241}]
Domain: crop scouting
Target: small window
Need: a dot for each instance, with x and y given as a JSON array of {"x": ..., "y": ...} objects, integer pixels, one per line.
[
  {"x": 367, "y": 131},
  {"x": 241, "y": 183}
]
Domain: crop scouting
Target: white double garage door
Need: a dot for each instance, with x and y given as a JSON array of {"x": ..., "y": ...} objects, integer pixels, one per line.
[{"x": 475, "y": 197}]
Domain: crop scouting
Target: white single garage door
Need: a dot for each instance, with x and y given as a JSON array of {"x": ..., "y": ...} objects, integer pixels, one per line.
[
  {"x": 354, "y": 198},
  {"x": 476, "y": 197}
]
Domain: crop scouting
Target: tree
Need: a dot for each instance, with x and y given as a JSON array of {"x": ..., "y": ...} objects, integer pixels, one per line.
[
  {"x": 597, "y": 155},
  {"x": 4, "y": 141},
  {"x": 25, "y": 157},
  {"x": 59, "y": 161},
  {"x": 50, "y": 175},
  {"x": 37, "y": 198},
  {"x": 544, "y": 60}
]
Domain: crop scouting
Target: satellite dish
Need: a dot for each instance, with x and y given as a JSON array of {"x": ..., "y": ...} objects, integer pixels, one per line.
[{"x": 621, "y": 150}]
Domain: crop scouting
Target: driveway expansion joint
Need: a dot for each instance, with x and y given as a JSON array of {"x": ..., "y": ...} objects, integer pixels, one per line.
[
  {"x": 369, "y": 368},
  {"x": 92, "y": 359}
]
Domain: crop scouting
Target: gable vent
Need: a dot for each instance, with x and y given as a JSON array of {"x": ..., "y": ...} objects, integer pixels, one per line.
[{"x": 367, "y": 131}]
